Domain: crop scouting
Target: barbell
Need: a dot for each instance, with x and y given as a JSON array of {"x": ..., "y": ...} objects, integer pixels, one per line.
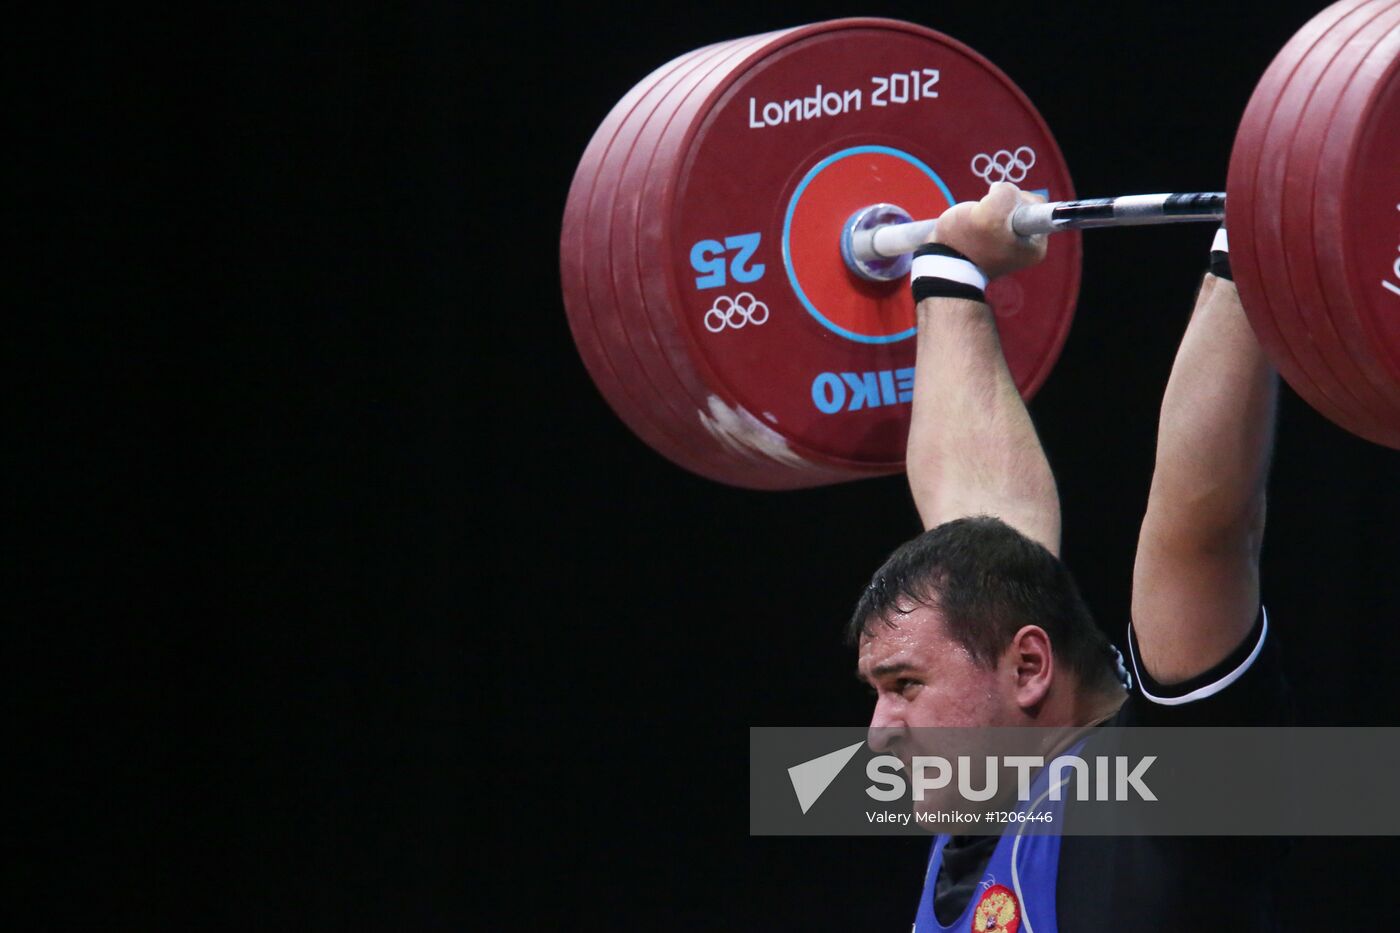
[{"x": 734, "y": 246}]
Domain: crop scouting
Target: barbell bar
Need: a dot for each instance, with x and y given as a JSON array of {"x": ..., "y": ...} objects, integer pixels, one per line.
[{"x": 867, "y": 250}]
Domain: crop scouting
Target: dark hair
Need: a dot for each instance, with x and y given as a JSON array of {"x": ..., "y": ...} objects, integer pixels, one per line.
[{"x": 988, "y": 580}]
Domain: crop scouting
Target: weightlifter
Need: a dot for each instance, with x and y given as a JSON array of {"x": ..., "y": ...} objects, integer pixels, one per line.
[{"x": 976, "y": 622}]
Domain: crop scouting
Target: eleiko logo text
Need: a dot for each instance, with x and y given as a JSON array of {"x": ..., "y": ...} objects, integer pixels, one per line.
[{"x": 831, "y": 392}]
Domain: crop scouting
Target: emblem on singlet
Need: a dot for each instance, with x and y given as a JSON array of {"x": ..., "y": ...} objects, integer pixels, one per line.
[{"x": 997, "y": 910}]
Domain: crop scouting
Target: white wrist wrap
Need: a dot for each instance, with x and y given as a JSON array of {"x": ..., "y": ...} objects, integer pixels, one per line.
[
  {"x": 947, "y": 267},
  {"x": 1220, "y": 244}
]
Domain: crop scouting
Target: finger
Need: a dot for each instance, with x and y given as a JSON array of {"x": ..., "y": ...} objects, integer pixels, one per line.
[
  {"x": 994, "y": 210},
  {"x": 1002, "y": 198}
]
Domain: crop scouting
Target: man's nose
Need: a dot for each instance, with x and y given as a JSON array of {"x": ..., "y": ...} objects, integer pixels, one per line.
[{"x": 886, "y": 726}]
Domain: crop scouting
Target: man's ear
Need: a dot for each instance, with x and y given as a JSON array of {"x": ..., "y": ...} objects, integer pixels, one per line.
[{"x": 1033, "y": 665}]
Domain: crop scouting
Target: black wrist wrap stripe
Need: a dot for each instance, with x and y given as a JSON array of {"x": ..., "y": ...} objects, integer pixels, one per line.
[
  {"x": 1220, "y": 264},
  {"x": 925, "y": 287},
  {"x": 939, "y": 249}
]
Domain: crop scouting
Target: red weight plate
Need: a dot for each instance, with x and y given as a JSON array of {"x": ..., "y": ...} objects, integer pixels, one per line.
[
  {"x": 768, "y": 460},
  {"x": 622, "y": 321},
  {"x": 753, "y": 156},
  {"x": 1257, "y": 175},
  {"x": 578, "y": 261},
  {"x": 1357, "y": 211},
  {"x": 602, "y": 339},
  {"x": 759, "y": 463},
  {"x": 1371, "y": 205},
  {"x": 761, "y": 456},
  {"x": 1334, "y": 335}
]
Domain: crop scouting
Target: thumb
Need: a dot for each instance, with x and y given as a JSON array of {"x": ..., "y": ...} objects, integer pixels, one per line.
[{"x": 951, "y": 220}]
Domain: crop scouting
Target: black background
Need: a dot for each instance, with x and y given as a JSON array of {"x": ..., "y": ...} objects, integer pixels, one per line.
[{"x": 349, "y": 590}]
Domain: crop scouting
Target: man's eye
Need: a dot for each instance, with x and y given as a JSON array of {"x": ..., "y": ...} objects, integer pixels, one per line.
[{"x": 903, "y": 684}]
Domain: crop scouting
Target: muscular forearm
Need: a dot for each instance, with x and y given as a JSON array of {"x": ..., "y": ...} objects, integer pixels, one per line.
[
  {"x": 1216, "y": 429},
  {"x": 972, "y": 447}
]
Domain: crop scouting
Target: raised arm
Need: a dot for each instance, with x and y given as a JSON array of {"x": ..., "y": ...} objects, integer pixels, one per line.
[
  {"x": 972, "y": 447},
  {"x": 1196, "y": 579}
]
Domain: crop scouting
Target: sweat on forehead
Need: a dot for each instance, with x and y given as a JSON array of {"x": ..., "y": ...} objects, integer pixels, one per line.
[
  {"x": 912, "y": 577},
  {"x": 897, "y": 615}
]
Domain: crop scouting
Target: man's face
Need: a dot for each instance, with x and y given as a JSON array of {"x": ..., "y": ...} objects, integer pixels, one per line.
[
  {"x": 932, "y": 698},
  {"x": 924, "y": 678}
]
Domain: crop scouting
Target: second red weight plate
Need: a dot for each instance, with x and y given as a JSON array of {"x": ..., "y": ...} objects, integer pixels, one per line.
[
  {"x": 1258, "y": 173},
  {"x": 1325, "y": 312},
  {"x": 1356, "y": 232}
]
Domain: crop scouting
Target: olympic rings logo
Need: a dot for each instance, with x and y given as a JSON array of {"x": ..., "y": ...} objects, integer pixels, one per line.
[
  {"x": 1003, "y": 165},
  {"x": 736, "y": 312}
]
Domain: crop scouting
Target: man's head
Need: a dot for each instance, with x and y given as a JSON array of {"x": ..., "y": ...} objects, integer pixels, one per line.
[{"x": 974, "y": 624}]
